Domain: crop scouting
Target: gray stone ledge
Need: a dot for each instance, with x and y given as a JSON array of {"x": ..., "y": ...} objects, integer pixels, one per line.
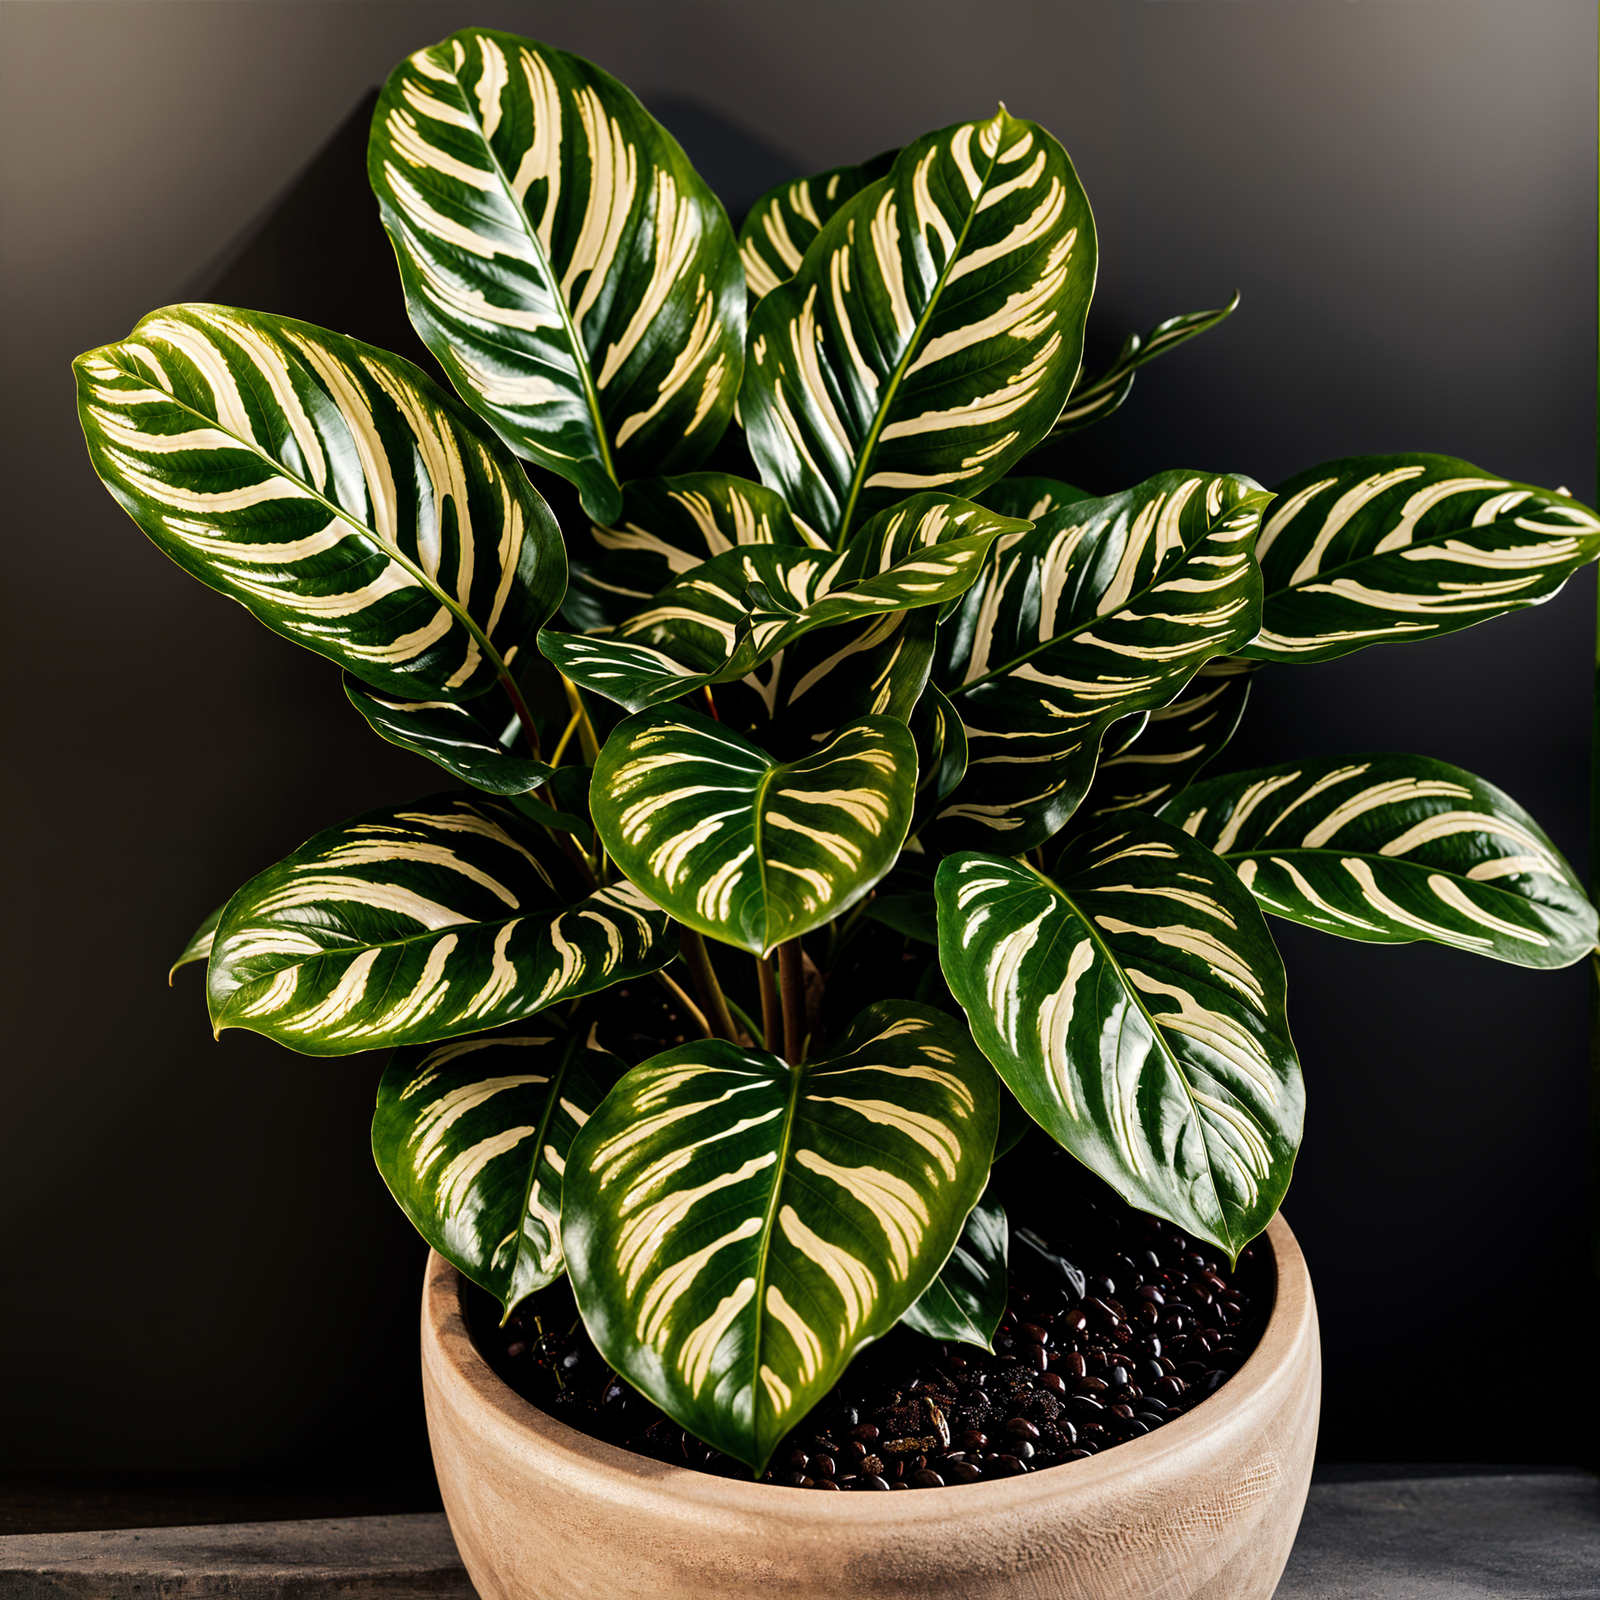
[{"x": 1533, "y": 1536}]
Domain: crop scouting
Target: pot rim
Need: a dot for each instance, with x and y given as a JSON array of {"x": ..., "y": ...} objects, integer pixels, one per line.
[{"x": 604, "y": 1469}]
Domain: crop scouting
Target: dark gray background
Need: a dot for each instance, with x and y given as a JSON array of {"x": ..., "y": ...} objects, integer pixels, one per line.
[{"x": 204, "y": 1273}]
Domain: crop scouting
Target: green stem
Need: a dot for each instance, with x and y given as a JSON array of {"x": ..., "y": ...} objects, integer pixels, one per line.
[
  {"x": 792, "y": 983},
  {"x": 524, "y": 716},
  {"x": 771, "y": 1015},
  {"x": 681, "y": 997},
  {"x": 588, "y": 740},
  {"x": 698, "y": 959},
  {"x": 566, "y": 738}
]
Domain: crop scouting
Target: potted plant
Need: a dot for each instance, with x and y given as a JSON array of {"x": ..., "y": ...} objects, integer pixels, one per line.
[{"x": 876, "y": 757}]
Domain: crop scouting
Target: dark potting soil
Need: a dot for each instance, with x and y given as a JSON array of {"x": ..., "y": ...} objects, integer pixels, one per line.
[{"x": 1116, "y": 1323}]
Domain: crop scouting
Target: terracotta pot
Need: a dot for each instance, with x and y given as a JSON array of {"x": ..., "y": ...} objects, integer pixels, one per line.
[{"x": 1206, "y": 1505}]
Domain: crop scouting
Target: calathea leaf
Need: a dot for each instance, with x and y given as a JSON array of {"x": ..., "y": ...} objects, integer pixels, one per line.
[
  {"x": 199, "y": 946},
  {"x": 1175, "y": 743},
  {"x": 571, "y": 271},
  {"x": 783, "y": 222},
  {"x": 737, "y": 1228},
  {"x": 1096, "y": 398},
  {"x": 743, "y": 847},
  {"x": 1373, "y": 549},
  {"x": 941, "y": 753},
  {"x": 968, "y": 1298},
  {"x": 419, "y": 923},
  {"x": 1106, "y": 608},
  {"x": 472, "y": 1137},
  {"x": 331, "y": 488},
  {"x": 667, "y": 528},
  {"x": 932, "y": 332},
  {"x": 1392, "y": 848},
  {"x": 1134, "y": 1003},
  {"x": 454, "y": 737},
  {"x": 1030, "y": 498}
]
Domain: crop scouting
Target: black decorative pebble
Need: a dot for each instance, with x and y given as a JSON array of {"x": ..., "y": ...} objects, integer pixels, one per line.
[{"x": 1116, "y": 1324}]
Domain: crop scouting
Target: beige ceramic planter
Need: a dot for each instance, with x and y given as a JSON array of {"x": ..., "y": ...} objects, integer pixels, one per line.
[{"x": 1205, "y": 1506}]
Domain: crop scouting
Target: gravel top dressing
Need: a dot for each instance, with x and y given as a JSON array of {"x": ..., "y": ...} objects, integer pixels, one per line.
[{"x": 1115, "y": 1323}]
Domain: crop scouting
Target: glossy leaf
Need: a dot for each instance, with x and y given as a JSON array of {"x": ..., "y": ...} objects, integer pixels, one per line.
[
  {"x": 1134, "y": 1003},
  {"x": 667, "y": 528},
  {"x": 199, "y": 946},
  {"x": 941, "y": 753},
  {"x": 570, "y": 270},
  {"x": 1107, "y": 608},
  {"x": 419, "y": 923},
  {"x": 1094, "y": 399},
  {"x": 1373, "y": 549},
  {"x": 1392, "y": 848},
  {"x": 965, "y": 1302},
  {"x": 781, "y": 225},
  {"x": 740, "y": 846},
  {"x": 1176, "y": 742},
  {"x": 331, "y": 488},
  {"x": 932, "y": 332},
  {"x": 453, "y": 737},
  {"x": 737, "y": 1228},
  {"x": 1030, "y": 498},
  {"x": 472, "y": 1138}
]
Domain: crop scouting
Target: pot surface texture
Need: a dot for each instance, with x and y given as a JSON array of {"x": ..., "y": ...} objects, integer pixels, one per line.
[{"x": 1206, "y": 1506}]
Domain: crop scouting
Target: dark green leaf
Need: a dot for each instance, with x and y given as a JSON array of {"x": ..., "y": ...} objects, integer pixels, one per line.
[{"x": 966, "y": 1301}]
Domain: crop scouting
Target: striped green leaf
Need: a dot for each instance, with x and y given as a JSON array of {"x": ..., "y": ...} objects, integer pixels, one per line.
[
  {"x": 667, "y": 528},
  {"x": 419, "y": 923},
  {"x": 199, "y": 946},
  {"x": 1376, "y": 549},
  {"x": 780, "y": 226},
  {"x": 472, "y": 1138},
  {"x": 1094, "y": 399},
  {"x": 1177, "y": 741},
  {"x": 570, "y": 270},
  {"x": 743, "y": 847},
  {"x": 1134, "y": 1003},
  {"x": 1030, "y": 498},
  {"x": 965, "y": 1302},
  {"x": 737, "y": 1228},
  {"x": 331, "y": 488},
  {"x": 454, "y": 737},
  {"x": 933, "y": 331},
  {"x": 1106, "y": 608},
  {"x": 941, "y": 753},
  {"x": 1392, "y": 848}
]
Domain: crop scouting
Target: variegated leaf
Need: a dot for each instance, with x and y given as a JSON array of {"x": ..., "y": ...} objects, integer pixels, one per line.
[
  {"x": 741, "y": 846},
  {"x": 933, "y": 331},
  {"x": 1094, "y": 399},
  {"x": 199, "y": 946},
  {"x": 454, "y": 737},
  {"x": 941, "y": 753},
  {"x": 1030, "y": 498},
  {"x": 1134, "y": 1003},
  {"x": 570, "y": 270},
  {"x": 737, "y": 1228},
  {"x": 1107, "y": 608},
  {"x": 1175, "y": 744},
  {"x": 1375, "y": 549},
  {"x": 419, "y": 923},
  {"x": 965, "y": 1302},
  {"x": 667, "y": 528},
  {"x": 1392, "y": 848},
  {"x": 472, "y": 1138},
  {"x": 781, "y": 225},
  {"x": 331, "y": 488}
]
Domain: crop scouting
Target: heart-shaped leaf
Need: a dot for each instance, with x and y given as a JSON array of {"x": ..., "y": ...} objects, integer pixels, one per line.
[
  {"x": 570, "y": 270},
  {"x": 1094, "y": 399},
  {"x": 333, "y": 489},
  {"x": 1392, "y": 848},
  {"x": 737, "y": 1228},
  {"x": 965, "y": 1302},
  {"x": 472, "y": 1138},
  {"x": 1107, "y": 607},
  {"x": 667, "y": 528},
  {"x": 743, "y": 847},
  {"x": 933, "y": 331},
  {"x": 1175, "y": 743},
  {"x": 1134, "y": 1003},
  {"x": 1374, "y": 549},
  {"x": 419, "y": 923},
  {"x": 780, "y": 226}
]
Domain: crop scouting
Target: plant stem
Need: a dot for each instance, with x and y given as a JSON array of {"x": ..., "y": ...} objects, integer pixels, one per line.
[
  {"x": 681, "y": 996},
  {"x": 572, "y": 728},
  {"x": 524, "y": 716},
  {"x": 698, "y": 960},
  {"x": 771, "y": 1016},
  {"x": 588, "y": 740},
  {"x": 792, "y": 981}
]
